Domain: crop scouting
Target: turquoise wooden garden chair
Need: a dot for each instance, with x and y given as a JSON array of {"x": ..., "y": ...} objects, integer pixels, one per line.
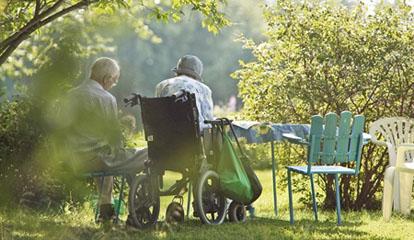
[{"x": 331, "y": 144}]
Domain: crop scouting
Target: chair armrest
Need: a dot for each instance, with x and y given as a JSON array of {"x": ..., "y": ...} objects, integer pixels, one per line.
[
  {"x": 366, "y": 138},
  {"x": 378, "y": 142},
  {"x": 373, "y": 132},
  {"x": 292, "y": 138},
  {"x": 401, "y": 150}
]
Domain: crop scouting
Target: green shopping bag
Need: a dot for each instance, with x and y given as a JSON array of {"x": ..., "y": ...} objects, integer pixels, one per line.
[{"x": 234, "y": 181}]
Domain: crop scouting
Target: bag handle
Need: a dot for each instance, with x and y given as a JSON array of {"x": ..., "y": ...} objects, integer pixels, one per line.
[{"x": 226, "y": 121}]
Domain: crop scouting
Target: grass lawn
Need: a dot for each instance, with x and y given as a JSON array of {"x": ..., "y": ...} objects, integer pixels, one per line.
[{"x": 24, "y": 224}]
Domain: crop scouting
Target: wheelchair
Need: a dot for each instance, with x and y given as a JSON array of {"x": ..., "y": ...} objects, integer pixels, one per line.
[{"x": 172, "y": 131}]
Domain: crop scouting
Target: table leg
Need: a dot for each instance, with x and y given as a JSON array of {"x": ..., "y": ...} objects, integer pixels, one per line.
[{"x": 272, "y": 144}]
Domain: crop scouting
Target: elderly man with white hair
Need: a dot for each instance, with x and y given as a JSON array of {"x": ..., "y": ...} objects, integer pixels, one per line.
[{"x": 93, "y": 131}]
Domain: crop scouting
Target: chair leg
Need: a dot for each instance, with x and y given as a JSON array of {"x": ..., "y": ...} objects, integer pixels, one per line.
[
  {"x": 121, "y": 195},
  {"x": 315, "y": 207},
  {"x": 396, "y": 192},
  {"x": 406, "y": 186},
  {"x": 274, "y": 177},
  {"x": 290, "y": 198},
  {"x": 338, "y": 200},
  {"x": 98, "y": 202},
  {"x": 189, "y": 199},
  {"x": 387, "y": 198}
]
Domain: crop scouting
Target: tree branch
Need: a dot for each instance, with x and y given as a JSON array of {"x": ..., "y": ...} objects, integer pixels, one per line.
[
  {"x": 8, "y": 52},
  {"x": 30, "y": 24},
  {"x": 50, "y": 10},
  {"x": 37, "y": 8},
  {"x": 22, "y": 35}
]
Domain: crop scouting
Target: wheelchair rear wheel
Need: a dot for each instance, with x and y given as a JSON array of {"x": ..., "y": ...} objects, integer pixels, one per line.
[
  {"x": 144, "y": 202},
  {"x": 209, "y": 201}
]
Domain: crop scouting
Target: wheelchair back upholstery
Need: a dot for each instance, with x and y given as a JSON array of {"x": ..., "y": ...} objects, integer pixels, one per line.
[{"x": 172, "y": 131}]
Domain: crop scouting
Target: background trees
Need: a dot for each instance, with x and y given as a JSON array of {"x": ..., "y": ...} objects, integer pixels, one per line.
[
  {"x": 320, "y": 58},
  {"x": 147, "y": 49}
]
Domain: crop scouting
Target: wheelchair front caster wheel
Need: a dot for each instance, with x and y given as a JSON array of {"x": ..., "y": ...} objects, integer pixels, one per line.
[
  {"x": 174, "y": 213},
  {"x": 237, "y": 212}
]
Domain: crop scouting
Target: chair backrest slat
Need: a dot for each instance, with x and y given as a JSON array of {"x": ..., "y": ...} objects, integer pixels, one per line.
[
  {"x": 315, "y": 138},
  {"x": 343, "y": 137},
  {"x": 329, "y": 139},
  {"x": 356, "y": 139}
]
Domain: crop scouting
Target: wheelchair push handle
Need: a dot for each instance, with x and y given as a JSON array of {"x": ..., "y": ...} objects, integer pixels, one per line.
[
  {"x": 132, "y": 100},
  {"x": 179, "y": 93},
  {"x": 181, "y": 96},
  {"x": 221, "y": 122}
]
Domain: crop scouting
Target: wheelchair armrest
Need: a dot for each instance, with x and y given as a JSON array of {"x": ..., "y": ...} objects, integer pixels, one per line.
[{"x": 292, "y": 138}]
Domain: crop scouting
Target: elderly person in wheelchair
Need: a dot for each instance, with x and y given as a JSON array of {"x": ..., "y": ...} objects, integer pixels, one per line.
[
  {"x": 189, "y": 70},
  {"x": 181, "y": 137},
  {"x": 93, "y": 133}
]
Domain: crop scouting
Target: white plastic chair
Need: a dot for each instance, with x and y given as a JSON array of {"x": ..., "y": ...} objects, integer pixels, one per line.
[{"x": 394, "y": 132}]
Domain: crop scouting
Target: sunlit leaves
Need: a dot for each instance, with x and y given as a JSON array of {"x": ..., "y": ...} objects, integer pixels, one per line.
[{"x": 329, "y": 57}]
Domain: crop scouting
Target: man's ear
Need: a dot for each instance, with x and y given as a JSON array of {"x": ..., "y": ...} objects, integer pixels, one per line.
[{"x": 107, "y": 81}]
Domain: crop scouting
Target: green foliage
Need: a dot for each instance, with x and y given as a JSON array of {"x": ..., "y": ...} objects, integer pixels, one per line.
[
  {"x": 320, "y": 58},
  {"x": 19, "y": 138},
  {"x": 16, "y": 129},
  {"x": 29, "y": 170}
]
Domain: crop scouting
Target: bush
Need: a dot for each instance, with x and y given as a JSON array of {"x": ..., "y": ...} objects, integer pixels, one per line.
[
  {"x": 320, "y": 58},
  {"x": 28, "y": 169}
]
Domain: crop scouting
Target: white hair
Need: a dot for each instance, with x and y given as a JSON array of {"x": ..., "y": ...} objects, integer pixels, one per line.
[{"x": 104, "y": 67}]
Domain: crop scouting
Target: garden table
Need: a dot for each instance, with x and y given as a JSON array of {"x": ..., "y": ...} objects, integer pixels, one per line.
[{"x": 265, "y": 132}]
